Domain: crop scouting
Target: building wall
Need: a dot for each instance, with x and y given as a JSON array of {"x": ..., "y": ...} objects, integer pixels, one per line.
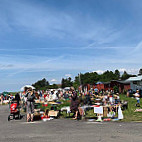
[
  {"x": 127, "y": 87},
  {"x": 100, "y": 86},
  {"x": 135, "y": 86},
  {"x": 107, "y": 87}
]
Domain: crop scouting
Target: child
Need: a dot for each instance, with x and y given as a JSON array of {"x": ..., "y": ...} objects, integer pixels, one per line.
[{"x": 137, "y": 96}]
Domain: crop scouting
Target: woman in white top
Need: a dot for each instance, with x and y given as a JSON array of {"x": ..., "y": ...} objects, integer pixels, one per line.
[{"x": 137, "y": 96}]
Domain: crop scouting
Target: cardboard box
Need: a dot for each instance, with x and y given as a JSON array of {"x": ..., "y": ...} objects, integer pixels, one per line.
[{"x": 53, "y": 113}]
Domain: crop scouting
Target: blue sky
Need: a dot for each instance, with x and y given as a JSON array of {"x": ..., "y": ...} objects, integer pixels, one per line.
[{"x": 59, "y": 38}]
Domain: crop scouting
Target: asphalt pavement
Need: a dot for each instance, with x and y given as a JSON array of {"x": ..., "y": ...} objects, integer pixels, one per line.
[{"x": 67, "y": 130}]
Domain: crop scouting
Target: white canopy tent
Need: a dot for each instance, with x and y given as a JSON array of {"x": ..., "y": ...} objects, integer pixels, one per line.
[
  {"x": 67, "y": 88},
  {"x": 27, "y": 86}
]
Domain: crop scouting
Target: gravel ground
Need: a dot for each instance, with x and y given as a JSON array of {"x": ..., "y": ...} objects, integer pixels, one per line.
[{"x": 66, "y": 130}]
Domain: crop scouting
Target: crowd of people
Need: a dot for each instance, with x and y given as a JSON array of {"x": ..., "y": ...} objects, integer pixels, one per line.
[
  {"x": 50, "y": 95},
  {"x": 77, "y": 99},
  {"x": 6, "y": 97}
]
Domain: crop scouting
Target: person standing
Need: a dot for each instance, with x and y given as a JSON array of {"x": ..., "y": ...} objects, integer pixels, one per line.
[
  {"x": 74, "y": 103},
  {"x": 137, "y": 96},
  {"x": 17, "y": 98},
  {"x": 2, "y": 97},
  {"x": 30, "y": 104}
]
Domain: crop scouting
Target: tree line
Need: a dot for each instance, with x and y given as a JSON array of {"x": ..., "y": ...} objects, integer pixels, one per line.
[
  {"x": 44, "y": 85},
  {"x": 83, "y": 79}
]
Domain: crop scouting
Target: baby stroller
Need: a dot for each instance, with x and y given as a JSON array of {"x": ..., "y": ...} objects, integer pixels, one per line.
[{"x": 14, "y": 110}]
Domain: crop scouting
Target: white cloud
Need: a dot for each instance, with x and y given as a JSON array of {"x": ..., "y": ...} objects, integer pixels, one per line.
[
  {"x": 53, "y": 80},
  {"x": 50, "y": 22},
  {"x": 47, "y": 64},
  {"x": 68, "y": 75},
  {"x": 137, "y": 48},
  {"x": 6, "y": 66},
  {"x": 99, "y": 71},
  {"x": 35, "y": 20},
  {"x": 122, "y": 70},
  {"x": 133, "y": 71},
  {"x": 130, "y": 71}
]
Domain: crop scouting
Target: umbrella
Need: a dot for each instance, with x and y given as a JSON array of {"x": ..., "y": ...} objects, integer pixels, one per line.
[
  {"x": 96, "y": 90},
  {"x": 99, "y": 83},
  {"x": 67, "y": 88},
  {"x": 27, "y": 86}
]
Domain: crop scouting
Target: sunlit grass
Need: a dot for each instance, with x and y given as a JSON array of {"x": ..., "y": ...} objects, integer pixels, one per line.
[{"x": 129, "y": 114}]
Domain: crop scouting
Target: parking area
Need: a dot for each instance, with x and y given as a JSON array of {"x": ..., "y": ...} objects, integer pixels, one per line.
[{"x": 66, "y": 130}]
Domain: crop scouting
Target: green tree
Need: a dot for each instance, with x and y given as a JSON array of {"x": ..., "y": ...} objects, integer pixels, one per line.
[
  {"x": 77, "y": 82},
  {"x": 93, "y": 77},
  {"x": 41, "y": 84},
  {"x": 117, "y": 74},
  {"x": 107, "y": 76},
  {"x": 66, "y": 82},
  {"x": 53, "y": 86},
  {"x": 87, "y": 78},
  {"x": 125, "y": 75},
  {"x": 116, "y": 89}
]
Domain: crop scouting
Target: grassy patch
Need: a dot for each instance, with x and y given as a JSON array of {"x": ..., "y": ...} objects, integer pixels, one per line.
[{"x": 129, "y": 114}]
